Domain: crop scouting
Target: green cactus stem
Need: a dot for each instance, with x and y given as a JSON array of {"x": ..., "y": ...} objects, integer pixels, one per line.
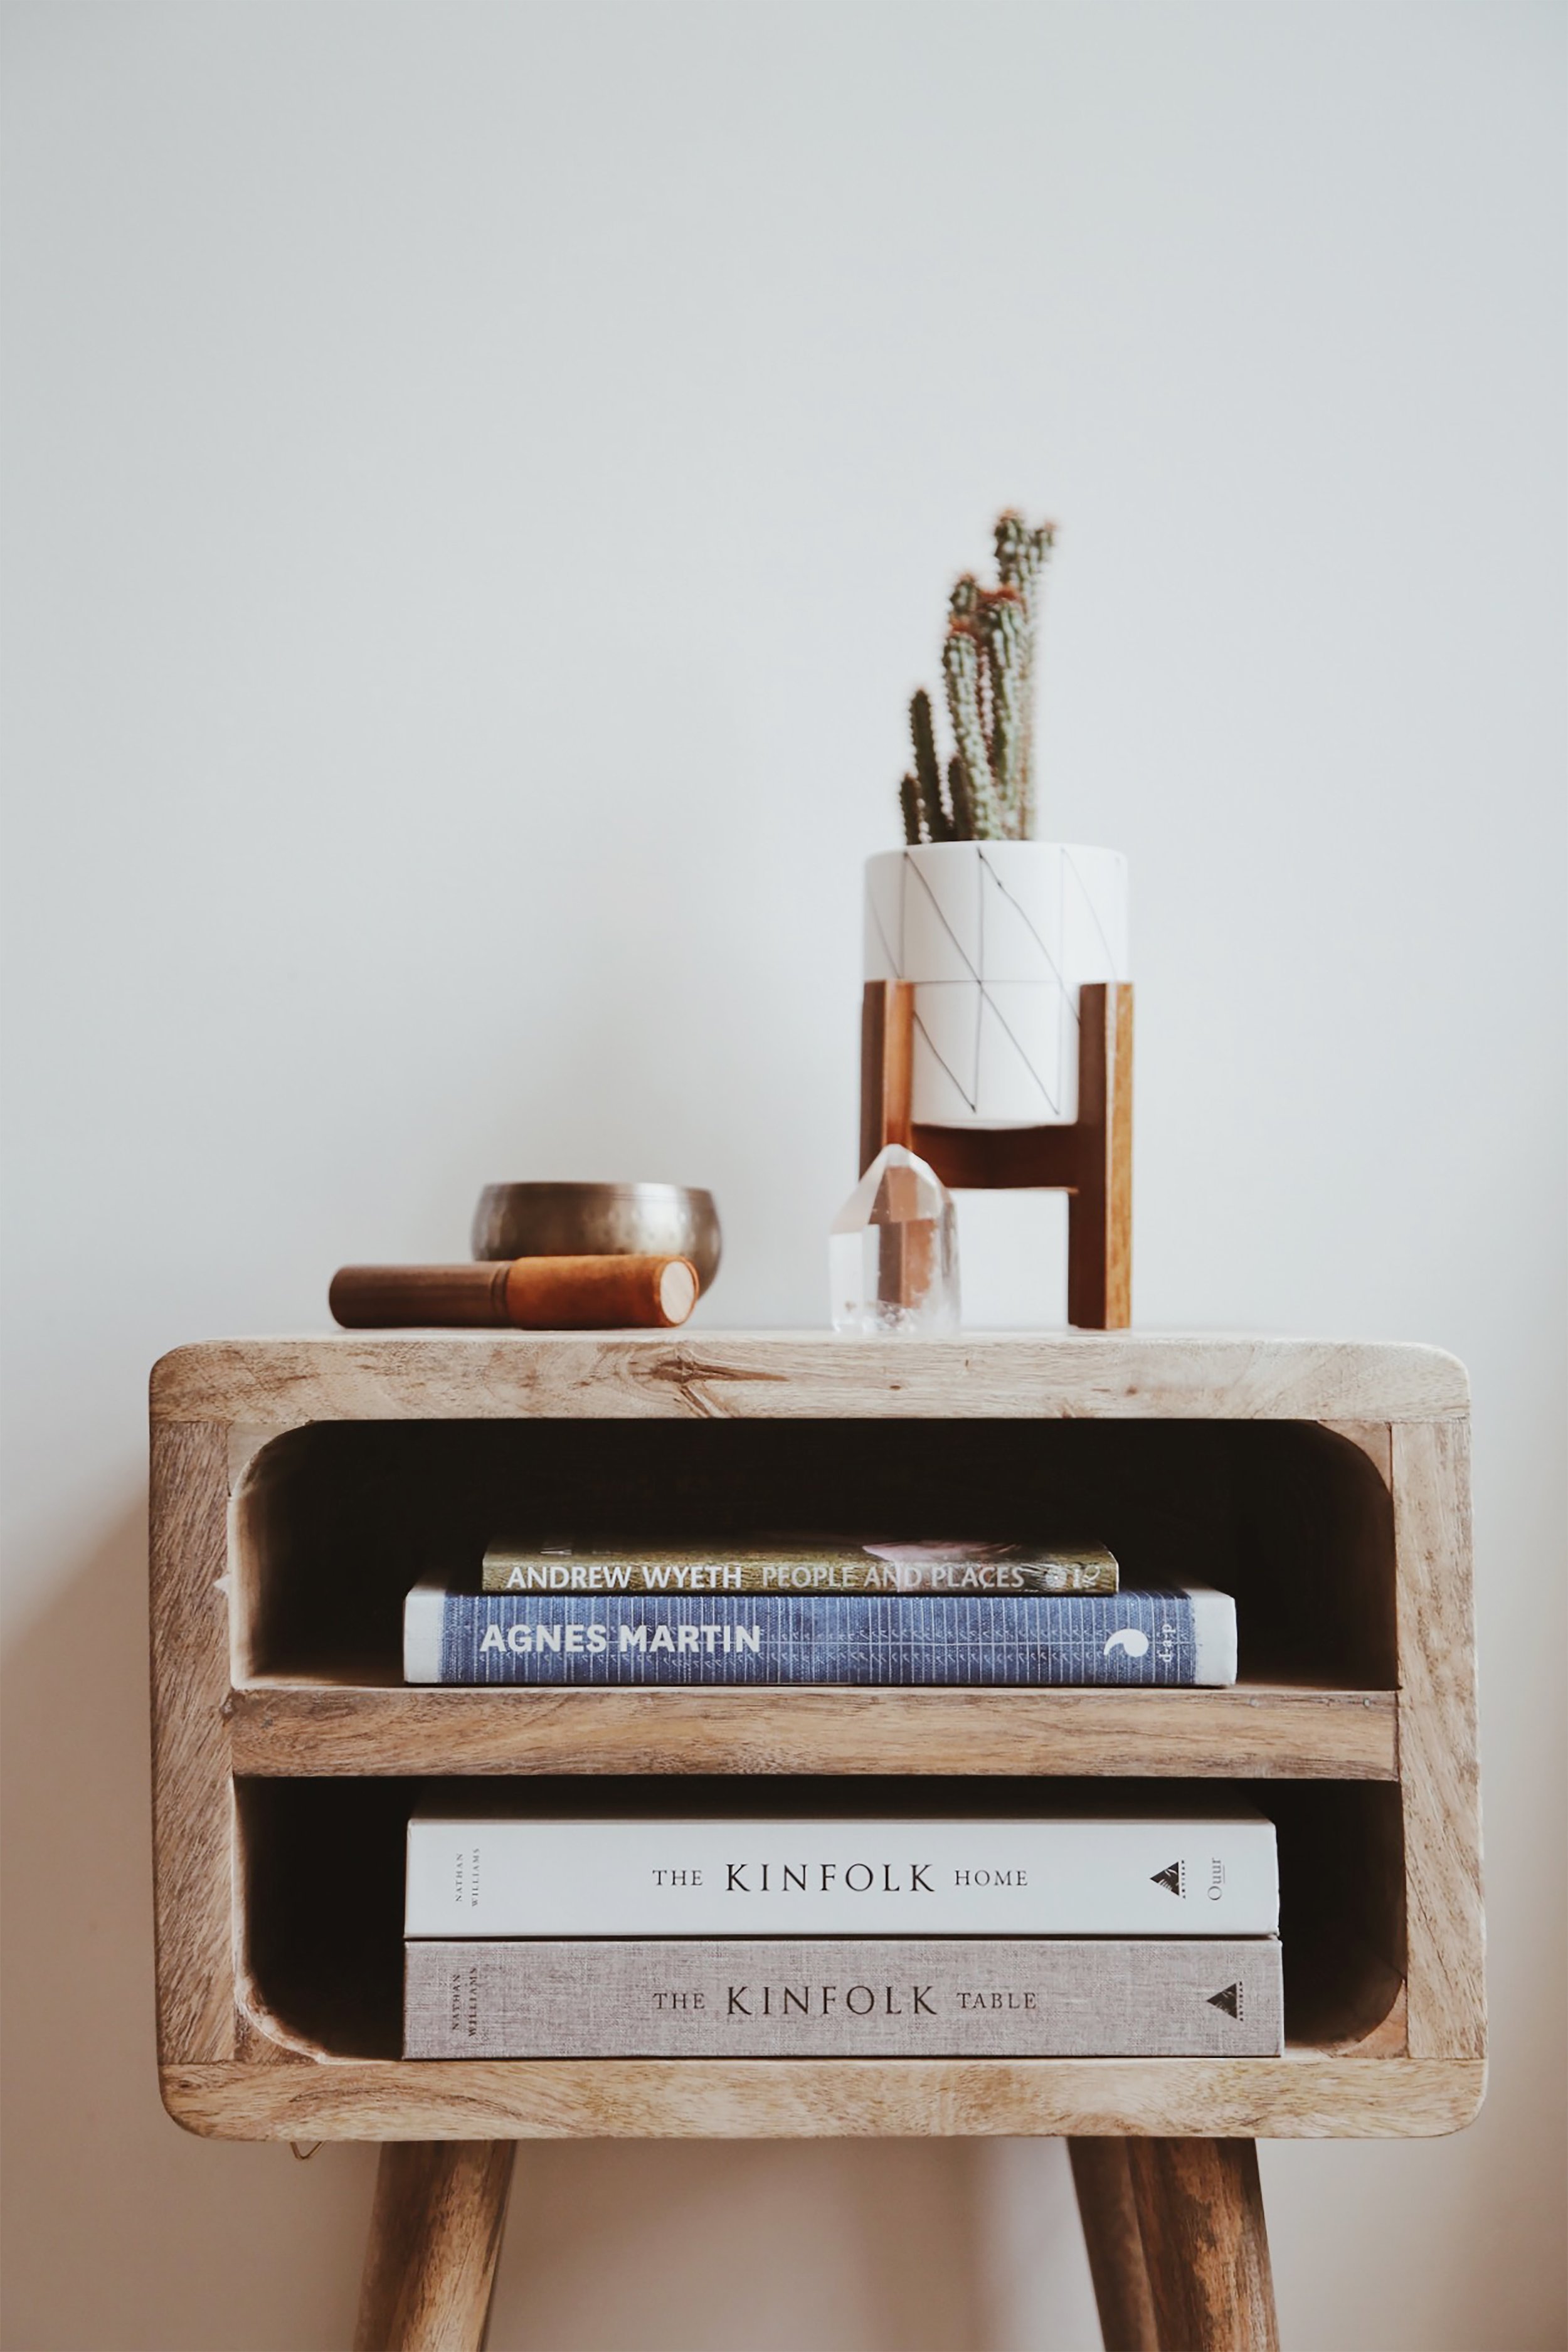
[
  {"x": 938, "y": 824},
  {"x": 1005, "y": 626},
  {"x": 958, "y": 793},
  {"x": 1022, "y": 555},
  {"x": 961, "y": 667},
  {"x": 988, "y": 673}
]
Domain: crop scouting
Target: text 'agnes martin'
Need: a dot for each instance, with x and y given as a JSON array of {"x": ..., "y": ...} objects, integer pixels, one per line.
[{"x": 592, "y": 1641}]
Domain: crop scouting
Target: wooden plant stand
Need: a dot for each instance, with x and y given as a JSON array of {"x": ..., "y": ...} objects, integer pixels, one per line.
[
  {"x": 1090, "y": 1160},
  {"x": 299, "y": 1486}
]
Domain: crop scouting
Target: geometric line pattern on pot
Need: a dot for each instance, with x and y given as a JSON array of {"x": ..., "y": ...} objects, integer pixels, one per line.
[
  {"x": 1087, "y": 896},
  {"x": 895, "y": 957},
  {"x": 984, "y": 1001}
]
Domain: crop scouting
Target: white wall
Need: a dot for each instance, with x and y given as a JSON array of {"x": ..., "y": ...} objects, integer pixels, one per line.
[{"x": 482, "y": 483}]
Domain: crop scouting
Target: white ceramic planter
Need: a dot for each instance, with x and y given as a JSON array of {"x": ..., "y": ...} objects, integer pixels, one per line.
[{"x": 998, "y": 937}]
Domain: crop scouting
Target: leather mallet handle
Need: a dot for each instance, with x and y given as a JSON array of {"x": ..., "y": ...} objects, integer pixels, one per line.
[{"x": 530, "y": 1294}]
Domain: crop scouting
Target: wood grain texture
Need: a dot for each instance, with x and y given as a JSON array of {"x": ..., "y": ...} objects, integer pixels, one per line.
[
  {"x": 259, "y": 2041},
  {"x": 1299, "y": 2096},
  {"x": 1118, "y": 1149},
  {"x": 1004, "y": 1158},
  {"x": 1099, "y": 1219},
  {"x": 280, "y": 1384},
  {"x": 1114, "y": 2244},
  {"x": 434, "y": 2240},
  {"x": 887, "y": 1065},
  {"x": 1373, "y": 1438},
  {"x": 1250, "y": 1732},
  {"x": 1445, "y": 1928},
  {"x": 1205, "y": 2247},
  {"x": 192, "y": 1834},
  {"x": 606, "y": 1292},
  {"x": 382, "y": 1298}
]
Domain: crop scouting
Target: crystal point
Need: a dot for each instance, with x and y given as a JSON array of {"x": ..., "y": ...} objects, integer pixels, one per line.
[{"x": 892, "y": 1251}]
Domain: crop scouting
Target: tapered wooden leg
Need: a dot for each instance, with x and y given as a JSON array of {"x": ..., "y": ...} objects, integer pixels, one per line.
[
  {"x": 1200, "y": 2215},
  {"x": 887, "y": 1065},
  {"x": 1099, "y": 1210},
  {"x": 434, "y": 2237},
  {"x": 1115, "y": 2246}
]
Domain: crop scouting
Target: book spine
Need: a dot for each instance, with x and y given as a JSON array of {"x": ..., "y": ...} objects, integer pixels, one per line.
[
  {"x": 1157, "y": 1998},
  {"x": 1132, "y": 1639},
  {"x": 825, "y": 1576},
  {"x": 546, "y": 1876}
]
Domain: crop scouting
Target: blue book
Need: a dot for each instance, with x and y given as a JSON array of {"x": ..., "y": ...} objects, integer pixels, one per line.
[{"x": 1182, "y": 1636}]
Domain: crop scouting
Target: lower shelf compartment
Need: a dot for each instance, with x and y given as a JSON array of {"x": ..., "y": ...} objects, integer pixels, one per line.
[{"x": 321, "y": 1911}]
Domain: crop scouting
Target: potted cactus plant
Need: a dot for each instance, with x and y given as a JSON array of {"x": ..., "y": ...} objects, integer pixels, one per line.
[{"x": 997, "y": 931}]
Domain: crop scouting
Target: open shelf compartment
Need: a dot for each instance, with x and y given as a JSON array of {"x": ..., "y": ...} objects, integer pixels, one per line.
[
  {"x": 335, "y": 1521},
  {"x": 321, "y": 1898}
]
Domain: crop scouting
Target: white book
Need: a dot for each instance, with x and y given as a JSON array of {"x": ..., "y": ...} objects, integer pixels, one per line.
[{"x": 1131, "y": 1874}]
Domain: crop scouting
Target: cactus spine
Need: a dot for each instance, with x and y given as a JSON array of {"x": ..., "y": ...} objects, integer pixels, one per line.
[
  {"x": 961, "y": 671},
  {"x": 928, "y": 775},
  {"x": 988, "y": 666}
]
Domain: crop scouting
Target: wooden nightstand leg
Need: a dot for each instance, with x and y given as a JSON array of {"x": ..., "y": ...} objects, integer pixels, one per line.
[
  {"x": 1200, "y": 2215},
  {"x": 434, "y": 2237},
  {"x": 1115, "y": 2247}
]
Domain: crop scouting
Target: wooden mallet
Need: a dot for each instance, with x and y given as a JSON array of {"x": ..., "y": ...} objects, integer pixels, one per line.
[{"x": 528, "y": 1294}]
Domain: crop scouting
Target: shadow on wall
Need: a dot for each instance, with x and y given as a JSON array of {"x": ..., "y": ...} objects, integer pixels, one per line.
[
  {"x": 123, "y": 2233},
  {"x": 126, "y": 2234},
  {"x": 841, "y": 2245}
]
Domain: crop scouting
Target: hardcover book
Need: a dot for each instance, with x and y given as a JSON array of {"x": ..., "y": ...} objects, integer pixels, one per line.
[
  {"x": 958, "y": 1568},
  {"x": 1102, "y": 1998},
  {"x": 491, "y": 1873},
  {"x": 1181, "y": 1636}
]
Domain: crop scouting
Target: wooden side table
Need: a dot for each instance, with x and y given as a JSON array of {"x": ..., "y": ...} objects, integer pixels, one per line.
[{"x": 299, "y": 1485}]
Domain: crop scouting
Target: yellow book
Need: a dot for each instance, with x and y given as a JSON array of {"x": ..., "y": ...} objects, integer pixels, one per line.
[{"x": 972, "y": 1570}]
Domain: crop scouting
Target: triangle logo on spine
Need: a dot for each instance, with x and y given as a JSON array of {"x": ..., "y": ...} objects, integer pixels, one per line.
[
  {"x": 1174, "y": 1879},
  {"x": 1229, "y": 2000}
]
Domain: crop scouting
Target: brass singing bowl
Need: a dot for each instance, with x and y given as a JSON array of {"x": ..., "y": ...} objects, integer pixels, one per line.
[{"x": 599, "y": 1221}]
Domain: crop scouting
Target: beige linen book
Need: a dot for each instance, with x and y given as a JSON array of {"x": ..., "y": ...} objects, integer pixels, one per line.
[{"x": 833, "y": 1998}]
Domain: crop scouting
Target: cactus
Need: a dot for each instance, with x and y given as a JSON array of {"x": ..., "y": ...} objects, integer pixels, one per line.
[
  {"x": 963, "y": 806},
  {"x": 1021, "y": 557},
  {"x": 988, "y": 663},
  {"x": 962, "y": 670},
  {"x": 928, "y": 775},
  {"x": 1006, "y": 646}
]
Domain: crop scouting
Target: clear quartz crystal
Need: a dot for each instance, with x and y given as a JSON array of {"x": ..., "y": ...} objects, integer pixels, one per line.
[{"x": 892, "y": 1251}]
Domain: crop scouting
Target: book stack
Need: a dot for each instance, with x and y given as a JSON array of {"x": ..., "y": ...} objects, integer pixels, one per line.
[
  {"x": 990, "y": 1614},
  {"x": 1121, "y": 1929},
  {"x": 1129, "y": 1930}
]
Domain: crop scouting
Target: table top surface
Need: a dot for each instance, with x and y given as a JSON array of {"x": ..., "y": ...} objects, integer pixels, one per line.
[{"x": 292, "y": 1377}]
